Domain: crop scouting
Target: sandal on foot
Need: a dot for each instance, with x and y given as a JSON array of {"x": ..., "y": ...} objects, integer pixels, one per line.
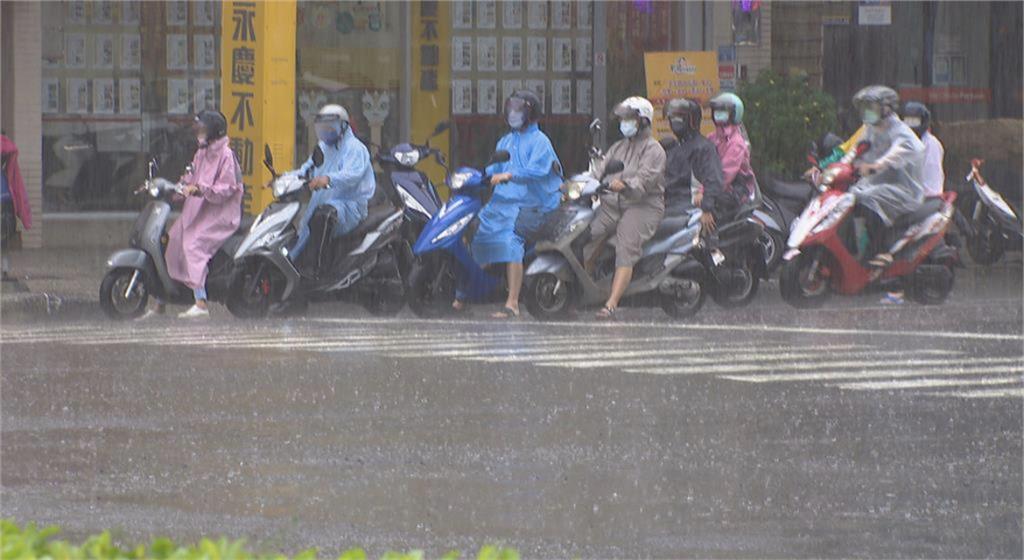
[
  {"x": 505, "y": 313},
  {"x": 605, "y": 314}
]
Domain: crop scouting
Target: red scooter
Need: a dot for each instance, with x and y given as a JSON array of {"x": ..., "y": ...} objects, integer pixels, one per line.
[{"x": 824, "y": 254}]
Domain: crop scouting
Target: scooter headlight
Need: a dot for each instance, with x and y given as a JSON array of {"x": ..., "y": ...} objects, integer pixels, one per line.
[
  {"x": 459, "y": 180},
  {"x": 453, "y": 229},
  {"x": 574, "y": 189},
  {"x": 408, "y": 159}
]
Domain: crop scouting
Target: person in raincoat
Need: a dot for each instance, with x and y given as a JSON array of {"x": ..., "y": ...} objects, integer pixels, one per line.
[
  {"x": 526, "y": 188},
  {"x": 210, "y": 215},
  {"x": 631, "y": 211},
  {"x": 342, "y": 186},
  {"x": 891, "y": 170},
  {"x": 13, "y": 198},
  {"x": 734, "y": 152},
  {"x": 693, "y": 171}
]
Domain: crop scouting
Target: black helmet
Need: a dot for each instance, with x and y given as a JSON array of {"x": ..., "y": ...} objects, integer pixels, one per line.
[
  {"x": 214, "y": 122},
  {"x": 885, "y": 98},
  {"x": 918, "y": 117},
  {"x": 527, "y": 101},
  {"x": 683, "y": 115}
]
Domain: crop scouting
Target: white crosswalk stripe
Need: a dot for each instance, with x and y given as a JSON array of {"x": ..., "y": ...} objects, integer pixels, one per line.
[{"x": 858, "y": 364}]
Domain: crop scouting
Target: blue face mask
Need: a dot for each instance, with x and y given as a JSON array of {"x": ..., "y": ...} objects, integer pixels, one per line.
[
  {"x": 721, "y": 117},
  {"x": 516, "y": 119},
  {"x": 629, "y": 128},
  {"x": 328, "y": 134}
]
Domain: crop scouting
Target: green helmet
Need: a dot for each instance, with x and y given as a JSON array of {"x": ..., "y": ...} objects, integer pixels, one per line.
[{"x": 729, "y": 102}]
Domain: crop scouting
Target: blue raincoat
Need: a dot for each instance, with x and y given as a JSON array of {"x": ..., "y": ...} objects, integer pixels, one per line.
[
  {"x": 347, "y": 164},
  {"x": 533, "y": 191}
]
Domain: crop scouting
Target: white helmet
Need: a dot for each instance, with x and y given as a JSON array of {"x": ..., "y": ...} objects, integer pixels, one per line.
[
  {"x": 332, "y": 113},
  {"x": 635, "y": 107}
]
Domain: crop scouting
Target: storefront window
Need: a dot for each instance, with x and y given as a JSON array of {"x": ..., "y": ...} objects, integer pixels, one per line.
[
  {"x": 634, "y": 28},
  {"x": 350, "y": 53},
  {"x": 120, "y": 83}
]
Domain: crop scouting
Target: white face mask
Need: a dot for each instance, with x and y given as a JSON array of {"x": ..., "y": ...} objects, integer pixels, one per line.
[
  {"x": 912, "y": 122},
  {"x": 721, "y": 117},
  {"x": 629, "y": 128},
  {"x": 516, "y": 119}
]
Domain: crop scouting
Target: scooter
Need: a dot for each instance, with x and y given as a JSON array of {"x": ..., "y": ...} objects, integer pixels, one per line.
[
  {"x": 993, "y": 224},
  {"x": 135, "y": 274},
  {"x": 362, "y": 266},
  {"x": 443, "y": 261},
  {"x": 415, "y": 190},
  {"x": 823, "y": 254}
]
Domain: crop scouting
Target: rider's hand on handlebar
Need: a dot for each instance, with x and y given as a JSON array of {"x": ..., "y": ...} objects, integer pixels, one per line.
[
  {"x": 707, "y": 221},
  {"x": 190, "y": 190},
  {"x": 616, "y": 185},
  {"x": 321, "y": 182},
  {"x": 500, "y": 178},
  {"x": 813, "y": 175},
  {"x": 698, "y": 197}
]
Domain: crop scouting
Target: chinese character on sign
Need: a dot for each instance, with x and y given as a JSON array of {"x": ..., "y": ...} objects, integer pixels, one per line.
[
  {"x": 243, "y": 65},
  {"x": 430, "y": 55},
  {"x": 243, "y": 111},
  {"x": 428, "y": 79},
  {"x": 243, "y": 148},
  {"x": 428, "y": 9},
  {"x": 244, "y": 16}
]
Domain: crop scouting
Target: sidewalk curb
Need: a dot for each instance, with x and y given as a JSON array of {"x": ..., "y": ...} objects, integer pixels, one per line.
[{"x": 36, "y": 306}]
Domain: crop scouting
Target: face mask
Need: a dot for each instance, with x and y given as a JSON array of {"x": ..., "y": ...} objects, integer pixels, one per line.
[
  {"x": 201, "y": 138},
  {"x": 516, "y": 119},
  {"x": 679, "y": 127},
  {"x": 912, "y": 122},
  {"x": 629, "y": 128},
  {"x": 721, "y": 117},
  {"x": 328, "y": 134},
  {"x": 870, "y": 117}
]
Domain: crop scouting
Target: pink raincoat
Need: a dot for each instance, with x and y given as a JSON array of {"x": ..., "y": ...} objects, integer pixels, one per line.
[
  {"x": 735, "y": 155},
  {"x": 19, "y": 198},
  {"x": 209, "y": 219}
]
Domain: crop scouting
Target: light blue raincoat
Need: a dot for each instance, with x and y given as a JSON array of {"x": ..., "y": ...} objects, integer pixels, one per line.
[
  {"x": 534, "y": 189},
  {"x": 347, "y": 164}
]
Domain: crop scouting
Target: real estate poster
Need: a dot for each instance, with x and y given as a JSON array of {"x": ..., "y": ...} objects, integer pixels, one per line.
[{"x": 680, "y": 74}]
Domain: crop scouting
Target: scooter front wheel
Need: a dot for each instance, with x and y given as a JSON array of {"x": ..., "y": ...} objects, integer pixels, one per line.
[
  {"x": 124, "y": 294},
  {"x": 252, "y": 292},
  {"x": 682, "y": 297},
  {"x": 801, "y": 282},
  {"x": 548, "y": 298},
  {"x": 431, "y": 287},
  {"x": 736, "y": 286},
  {"x": 986, "y": 246}
]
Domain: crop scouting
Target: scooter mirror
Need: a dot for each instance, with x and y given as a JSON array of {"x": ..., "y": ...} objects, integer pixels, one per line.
[
  {"x": 501, "y": 156},
  {"x": 268, "y": 156},
  {"x": 441, "y": 128},
  {"x": 318, "y": 157},
  {"x": 612, "y": 167}
]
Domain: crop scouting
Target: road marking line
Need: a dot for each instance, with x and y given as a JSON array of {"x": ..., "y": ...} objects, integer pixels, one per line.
[
  {"x": 562, "y": 357},
  {"x": 980, "y": 393},
  {"x": 883, "y": 373},
  {"x": 928, "y": 382},
  {"x": 756, "y": 357},
  {"x": 729, "y": 368},
  {"x": 699, "y": 328},
  {"x": 494, "y": 353}
]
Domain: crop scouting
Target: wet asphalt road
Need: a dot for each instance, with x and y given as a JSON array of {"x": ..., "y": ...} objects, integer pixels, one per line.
[{"x": 857, "y": 431}]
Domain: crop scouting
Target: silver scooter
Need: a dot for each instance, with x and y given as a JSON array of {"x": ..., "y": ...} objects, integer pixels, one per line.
[
  {"x": 362, "y": 266},
  {"x": 136, "y": 273}
]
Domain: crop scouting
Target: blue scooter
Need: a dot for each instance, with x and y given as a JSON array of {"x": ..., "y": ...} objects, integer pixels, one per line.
[{"x": 443, "y": 261}]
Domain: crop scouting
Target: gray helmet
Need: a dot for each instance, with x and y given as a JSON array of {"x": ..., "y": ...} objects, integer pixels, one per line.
[{"x": 886, "y": 98}]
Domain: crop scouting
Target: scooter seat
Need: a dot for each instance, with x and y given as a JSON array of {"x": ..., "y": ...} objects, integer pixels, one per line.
[
  {"x": 671, "y": 225},
  {"x": 930, "y": 206},
  {"x": 795, "y": 190},
  {"x": 375, "y": 216}
]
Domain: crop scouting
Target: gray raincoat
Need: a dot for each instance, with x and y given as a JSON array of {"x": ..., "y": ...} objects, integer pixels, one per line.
[{"x": 898, "y": 188}]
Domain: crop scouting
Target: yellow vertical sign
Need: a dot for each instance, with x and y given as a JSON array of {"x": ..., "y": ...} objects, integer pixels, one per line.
[
  {"x": 670, "y": 75},
  {"x": 431, "y": 77},
  {"x": 258, "y": 88}
]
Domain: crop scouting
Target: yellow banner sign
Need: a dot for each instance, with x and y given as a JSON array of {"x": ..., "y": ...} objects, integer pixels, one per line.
[
  {"x": 671, "y": 75},
  {"x": 431, "y": 78},
  {"x": 258, "y": 89}
]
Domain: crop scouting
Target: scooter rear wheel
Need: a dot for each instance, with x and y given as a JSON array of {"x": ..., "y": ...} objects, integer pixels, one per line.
[
  {"x": 548, "y": 298},
  {"x": 115, "y": 299},
  {"x": 802, "y": 287}
]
